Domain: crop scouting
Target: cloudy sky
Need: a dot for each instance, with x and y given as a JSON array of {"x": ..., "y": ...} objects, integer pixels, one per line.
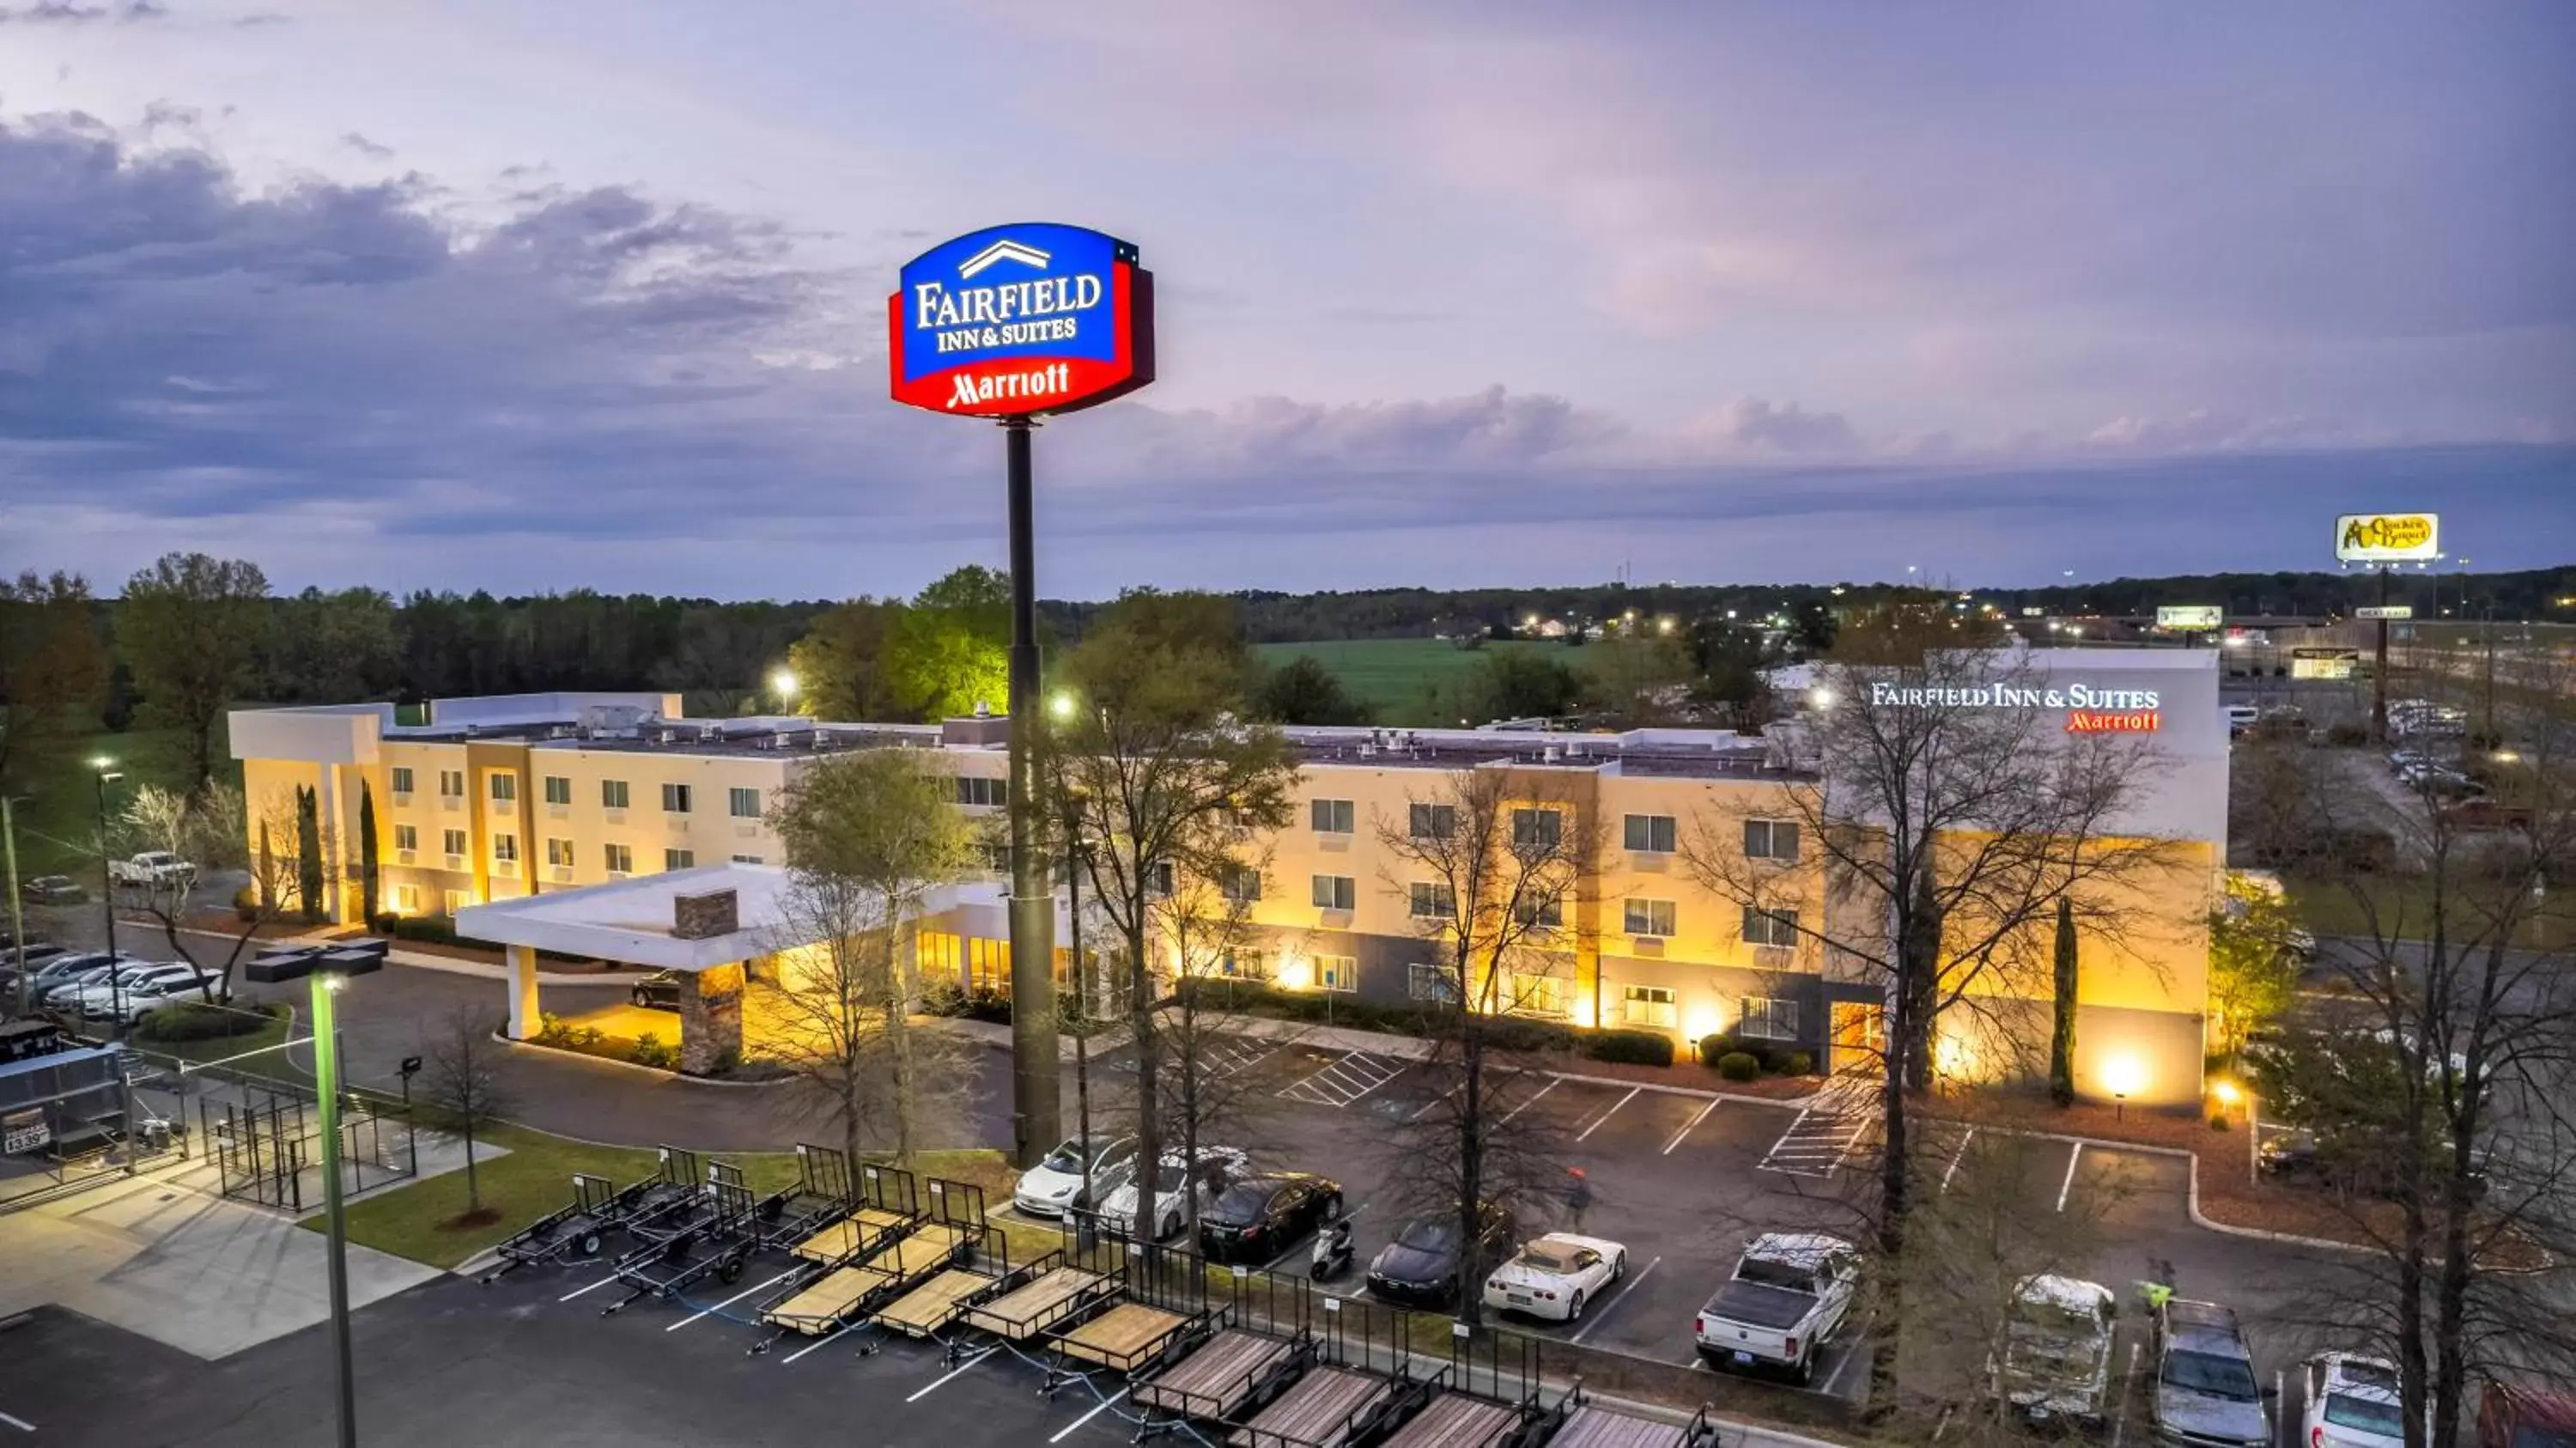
[{"x": 486, "y": 293}]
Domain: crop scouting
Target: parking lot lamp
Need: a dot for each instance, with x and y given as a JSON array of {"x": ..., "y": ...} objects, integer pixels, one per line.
[
  {"x": 782, "y": 682},
  {"x": 105, "y": 770},
  {"x": 17, "y": 917}
]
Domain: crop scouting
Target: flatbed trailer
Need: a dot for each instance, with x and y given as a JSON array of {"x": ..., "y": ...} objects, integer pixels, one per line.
[
  {"x": 1457, "y": 1420},
  {"x": 936, "y": 1305},
  {"x": 1327, "y": 1407},
  {"x": 1229, "y": 1375},
  {"x": 576, "y": 1231},
  {"x": 845, "y": 1295},
  {"x": 823, "y": 1194},
  {"x": 1052, "y": 1293},
  {"x": 677, "y": 1187},
  {"x": 1592, "y": 1426},
  {"x": 715, "y": 1242}
]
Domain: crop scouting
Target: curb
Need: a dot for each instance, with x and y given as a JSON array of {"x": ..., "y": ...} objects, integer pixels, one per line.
[
  {"x": 1693, "y": 1092},
  {"x": 656, "y": 1072}
]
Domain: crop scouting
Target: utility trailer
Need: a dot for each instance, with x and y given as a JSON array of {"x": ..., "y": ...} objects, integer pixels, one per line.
[
  {"x": 824, "y": 1306},
  {"x": 1238, "y": 1368},
  {"x": 678, "y": 1184},
  {"x": 1449, "y": 1412},
  {"x": 714, "y": 1240},
  {"x": 578, "y": 1230},
  {"x": 822, "y": 1195},
  {"x": 1589, "y": 1425},
  {"x": 1165, "y": 1314},
  {"x": 930, "y": 1309},
  {"x": 884, "y": 1207}
]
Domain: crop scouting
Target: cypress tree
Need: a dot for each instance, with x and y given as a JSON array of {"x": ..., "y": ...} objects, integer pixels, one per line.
[
  {"x": 308, "y": 854},
  {"x": 2061, "y": 1041},
  {"x": 367, "y": 853}
]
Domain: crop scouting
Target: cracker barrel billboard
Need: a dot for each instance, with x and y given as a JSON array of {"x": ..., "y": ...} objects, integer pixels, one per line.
[
  {"x": 2388, "y": 537},
  {"x": 1014, "y": 321}
]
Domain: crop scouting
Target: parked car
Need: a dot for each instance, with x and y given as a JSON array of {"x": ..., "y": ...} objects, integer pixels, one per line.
[
  {"x": 1555, "y": 1275},
  {"x": 2352, "y": 1402},
  {"x": 47, "y": 974},
  {"x": 659, "y": 991},
  {"x": 1218, "y": 1167},
  {"x": 154, "y": 992},
  {"x": 2526, "y": 1417},
  {"x": 152, "y": 867},
  {"x": 2206, "y": 1394},
  {"x": 17, "y": 960},
  {"x": 1259, "y": 1217},
  {"x": 65, "y": 988},
  {"x": 1789, "y": 1295},
  {"x": 1055, "y": 1183},
  {"x": 52, "y": 890},
  {"x": 1423, "y": 1265},
  {"x": 2057, "y": 1350},
  {"x": 148, "y": 979}
]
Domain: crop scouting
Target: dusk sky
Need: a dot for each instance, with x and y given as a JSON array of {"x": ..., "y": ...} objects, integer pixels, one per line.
[{"x": 490, "y": 293}]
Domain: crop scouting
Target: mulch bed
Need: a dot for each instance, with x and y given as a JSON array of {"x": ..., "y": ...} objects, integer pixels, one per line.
[{"x": 1689, "y": 1076}]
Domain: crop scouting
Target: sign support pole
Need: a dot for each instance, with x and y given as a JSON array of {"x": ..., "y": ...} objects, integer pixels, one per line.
[
  {"x": 1035, "y": 1087},
  {"x": 2379, "y": 669}
]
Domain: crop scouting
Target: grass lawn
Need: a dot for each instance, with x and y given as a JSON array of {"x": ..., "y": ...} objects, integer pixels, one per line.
[
  {"x": 536, "y": 1178},
  {"x": 1407, "y": 681},
  {"x": 2404, "y": 911},
  {"x": 273, "y": 1064},
  {"x": 58, "y": 816}
]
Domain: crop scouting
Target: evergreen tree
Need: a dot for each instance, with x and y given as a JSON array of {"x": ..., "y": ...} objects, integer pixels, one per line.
[
  {"x": 308, "y": 854},
  {"x": 367, "y": 852},
  {"x": 2061, "y": 1041}
]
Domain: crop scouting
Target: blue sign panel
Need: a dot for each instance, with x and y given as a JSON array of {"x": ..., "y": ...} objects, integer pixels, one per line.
[{"x": 1013, "y": 320}]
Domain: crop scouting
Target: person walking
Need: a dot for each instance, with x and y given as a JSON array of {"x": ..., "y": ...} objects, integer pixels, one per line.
[{"x": 1578, "y": 1195}]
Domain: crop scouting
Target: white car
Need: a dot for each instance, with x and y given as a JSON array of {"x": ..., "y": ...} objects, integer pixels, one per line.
[
  {"x": 1554, "y": 1276},
  {"x": 64, "y": 993},
  {"x": 145, "y": 979},
  {"x": 152, "y": 867},
  {"x": 1219, "y": 1167},
  {"x": 2352, "y": 1402},
  {"x": 156, "y": 991},
  {"x": 1055, "y": 1184}
]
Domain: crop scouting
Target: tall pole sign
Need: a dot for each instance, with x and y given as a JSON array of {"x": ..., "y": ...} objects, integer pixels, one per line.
[
  {"x": 2380, "y": 542},
  {"x": 1016, "y": 323}
]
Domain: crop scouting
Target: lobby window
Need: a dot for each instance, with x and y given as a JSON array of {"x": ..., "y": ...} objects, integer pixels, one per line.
[
  {"x": 402, "y": 779},
  {"x": 1545, "y": 913},
  {"x": 505, "y": 787},
  {"x": 1430, "y": 983},
  {"x": 1651, "y": 1006},
  {"x": 1432, "y": 821},
  {"x": 988, "y": 963},
  {"x": 451, "y": 783},
  {"x": 743, "y": 804},
  {"x": 675, "y": 799},
  {"x": 1767, "y": 1020},
  {"x": 979, "y": 793},
  {"x": 679, "y": 859},
  {"x": 1336, "y": 892},
  {"x": 407, "y": 838},
  {"x": 558, "y": 789},
  {"x": 1533, "y": 994},
  {"x": 612, "y": 794},
  {"x": 1650, "y": 917},
  {"x": 1651, "y": 834},
  {"x": 939, "y": 954},
  {"x": 406, "y": 899},
  {"x": 1241, "y": 883},
  {"x": 1337, "y": 972},
  {"x": 1332, "y": 816},
  {"x": 1770, "y": 927},
  {"x": 1537, "y": 829},
  {"x": 619, "y": 859},
  {"x": 452, "y": 841},
  {"x": 1770, "y": 840},
  {"x": 505, "y": 849},
  {"x": 559, "y": 853},
  {"x": 1431, "y": 900}
]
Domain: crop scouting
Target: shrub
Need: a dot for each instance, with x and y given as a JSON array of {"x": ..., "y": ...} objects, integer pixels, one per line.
[
  {"x": 2218, "y": 1121},
  {"x": 984, "y": 1003},
  {"x": 1521, "y": 1033},
  {"x": 942, "y": 998},
  {"x": 551, "y": 1030},
  {"x": 197, "y": 1021},
  {"x": 1737, "y": 1066},
  {"x": 245, "y": 905},
  {"x": 1635, "y": 1048},
  {"x": 1715, "y": 1048},
  {"x": 1797, "y": 1063},
  {"x": 648, "y": 1050}
]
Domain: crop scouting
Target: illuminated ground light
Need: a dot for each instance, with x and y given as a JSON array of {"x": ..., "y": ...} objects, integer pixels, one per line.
[{"x": 1296, "y": 972}]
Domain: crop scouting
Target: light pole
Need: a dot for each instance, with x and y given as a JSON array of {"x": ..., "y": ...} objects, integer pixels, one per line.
[
  {"x": 17, "y": 917},
  {"x": 782, "y": 683},
  {"x": 328, "y": 972},
  {"x": 105, "y": 769}
]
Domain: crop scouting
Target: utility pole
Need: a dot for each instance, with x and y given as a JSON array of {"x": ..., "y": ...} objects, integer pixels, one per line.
[{"x": 2379, "y": 668}]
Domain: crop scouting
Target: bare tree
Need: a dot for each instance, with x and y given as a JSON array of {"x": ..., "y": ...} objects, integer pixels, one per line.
[
  {"x": 214, "y": 831},
  {"x": 1208, "y": 922},
  {"x": 462, "y": 1085},
  {"x": 1488, "y": 863}
]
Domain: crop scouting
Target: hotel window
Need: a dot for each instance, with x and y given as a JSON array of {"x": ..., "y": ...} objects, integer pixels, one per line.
[
  {"x": 1650, "y": 917},
  {"x": 1337, "y": 972},
  {"x": 406, "y": 899},
  {"x": 743, "y": 804},
  {"x": 1651, "y": 834},
  {"x": 1332, "y": 816},
  {"x": 1431, "y": 900},
  {"x": 612, "y": 794},
  {"x": 996, "y": 856},
  {"x": 558, "y": 789},
  {"x": 505, "y": 849},
  {"x": 988, "y": 963},
  {"x": 1649, "y": 1005},
  {"x": 1158, "y": 879},
  {"x": 749, "y": 860},
  {"x": 451, "y": 783},
  {"x": 1241, "y": 884},
  {"x": 620, "y": 860},
  {"x": 402, "y": 779},
  {"x": 1536, "y": 829},
  {"x": 453, "y": 841},
  {"x": 1537, "y": 995},
  {"x": 983, "y": 793},
  {"x": 675, "y": 799},
  {"x": 1541, "y": 914},
  {"x": 559, "y": 853},
  {"x": 505, "y": 787},
  {"x": 679, "y": 859},
  {"x": 1429, "y": 983},
  {"x": 1770, "y": 840},
  {"x": 1768, "y": 1020},
  {"x": 407, "y": 838},
  {"x": 1432, "y": 821},
  {"x": 1770, "y": 927},
  {"x": 939, "y": 954},
  {"x": 1239, "y": 964},
  {"x": 1336, "y": 892},
  {"x": 455, "y": 900}
]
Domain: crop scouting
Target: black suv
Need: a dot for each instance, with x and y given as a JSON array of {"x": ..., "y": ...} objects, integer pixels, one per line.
[{"x": 1257, "y": 1218}]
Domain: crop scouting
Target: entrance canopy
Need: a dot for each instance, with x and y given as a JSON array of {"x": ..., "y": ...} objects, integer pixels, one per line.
[{"x": 640, "y": 921}]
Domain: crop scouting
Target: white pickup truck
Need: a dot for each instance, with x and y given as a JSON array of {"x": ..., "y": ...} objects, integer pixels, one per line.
[
  {"x": 1790, "y": 1292},
  {"x": 153, "y": 868}
]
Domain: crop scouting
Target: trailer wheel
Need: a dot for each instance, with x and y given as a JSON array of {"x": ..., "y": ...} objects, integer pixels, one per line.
[
  {"x": 730, "y": 1272},
  {"x": 590, "y": 1244}
]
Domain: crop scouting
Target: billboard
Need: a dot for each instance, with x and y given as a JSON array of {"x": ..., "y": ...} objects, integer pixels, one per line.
[
  {"x": 2388, "y": 537},
  {"x": 2190, "y": 615},
  {"x": 1015, "y": 321},
  {"x": 2324, "y": 663}
]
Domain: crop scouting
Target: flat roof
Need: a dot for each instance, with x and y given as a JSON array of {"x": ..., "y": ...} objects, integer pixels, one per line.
[{"x": 630, "y": 920}]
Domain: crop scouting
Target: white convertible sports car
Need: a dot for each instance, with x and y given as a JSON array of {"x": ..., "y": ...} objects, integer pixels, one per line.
[{"x": 1556, "y": 1275}]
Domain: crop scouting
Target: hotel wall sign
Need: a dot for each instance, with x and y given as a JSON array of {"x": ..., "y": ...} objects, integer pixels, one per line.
[
  {"x": 1016, "y": 321},
  {"x": 2089, "y": 710}
]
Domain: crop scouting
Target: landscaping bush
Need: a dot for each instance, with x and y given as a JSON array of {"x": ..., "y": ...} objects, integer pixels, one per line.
[
  {"x": 942, "y": 998},
  {"x": 1713, "y": 1049},
  {"x": 1797, "y": 1063},
  {"x": 984, "y": 1003},
  {"x": 245, "y": 905},
  {"x": 649, "y": 1051},
  {"x": 1738, "y": 1066},
  {"x": 197, "y": 1021},
  {"x": 1520, "y": 1033},
  {"x": 436, "y": 929},
  {"x": 1634, "y": 1048}
]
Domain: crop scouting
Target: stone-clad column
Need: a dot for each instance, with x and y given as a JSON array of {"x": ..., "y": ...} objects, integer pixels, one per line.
[{"x": 711, "y": 1019}]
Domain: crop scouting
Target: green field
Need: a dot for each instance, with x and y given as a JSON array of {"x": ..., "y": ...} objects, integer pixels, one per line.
[
  {"x": 1406, "y": 681},
  {"x": 57, "y": 810}
]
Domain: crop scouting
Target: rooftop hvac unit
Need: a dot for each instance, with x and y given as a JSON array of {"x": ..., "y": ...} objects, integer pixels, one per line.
[
  {"x": 1550, "y": 755},
  {"x": 1368, "y": 751},
  {"x": 612, "y": 719}
]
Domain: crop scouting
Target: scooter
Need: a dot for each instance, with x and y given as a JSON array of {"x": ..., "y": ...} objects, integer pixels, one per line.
[{"x": 1332, "y": 1250}]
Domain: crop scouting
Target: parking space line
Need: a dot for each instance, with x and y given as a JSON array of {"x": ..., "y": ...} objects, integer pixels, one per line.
[
  {"x": 1103, "y": 1407},
  {"x": 21, "y": 1424},
  {"x": 1343, "y": 1081},
  {"x": 594, "y": 1287},
  {"x": 1533, "y": 1101},
  {"x": 832, "y": 1336},
  {"x": 1424, "y": 1109},
  {"x": 2072, "y": 1158},
  {"x": 1625, "y": 1288},
  {"x": 952, "y": 1372},
  {"x": 1840, "y": 1368},
  {"x": 1606, "y": 1115},
  {"x": 730, "y": 1301},
  {"x": 1957, "y": 1157},
  {"x": 1687, "y": 1125}
]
